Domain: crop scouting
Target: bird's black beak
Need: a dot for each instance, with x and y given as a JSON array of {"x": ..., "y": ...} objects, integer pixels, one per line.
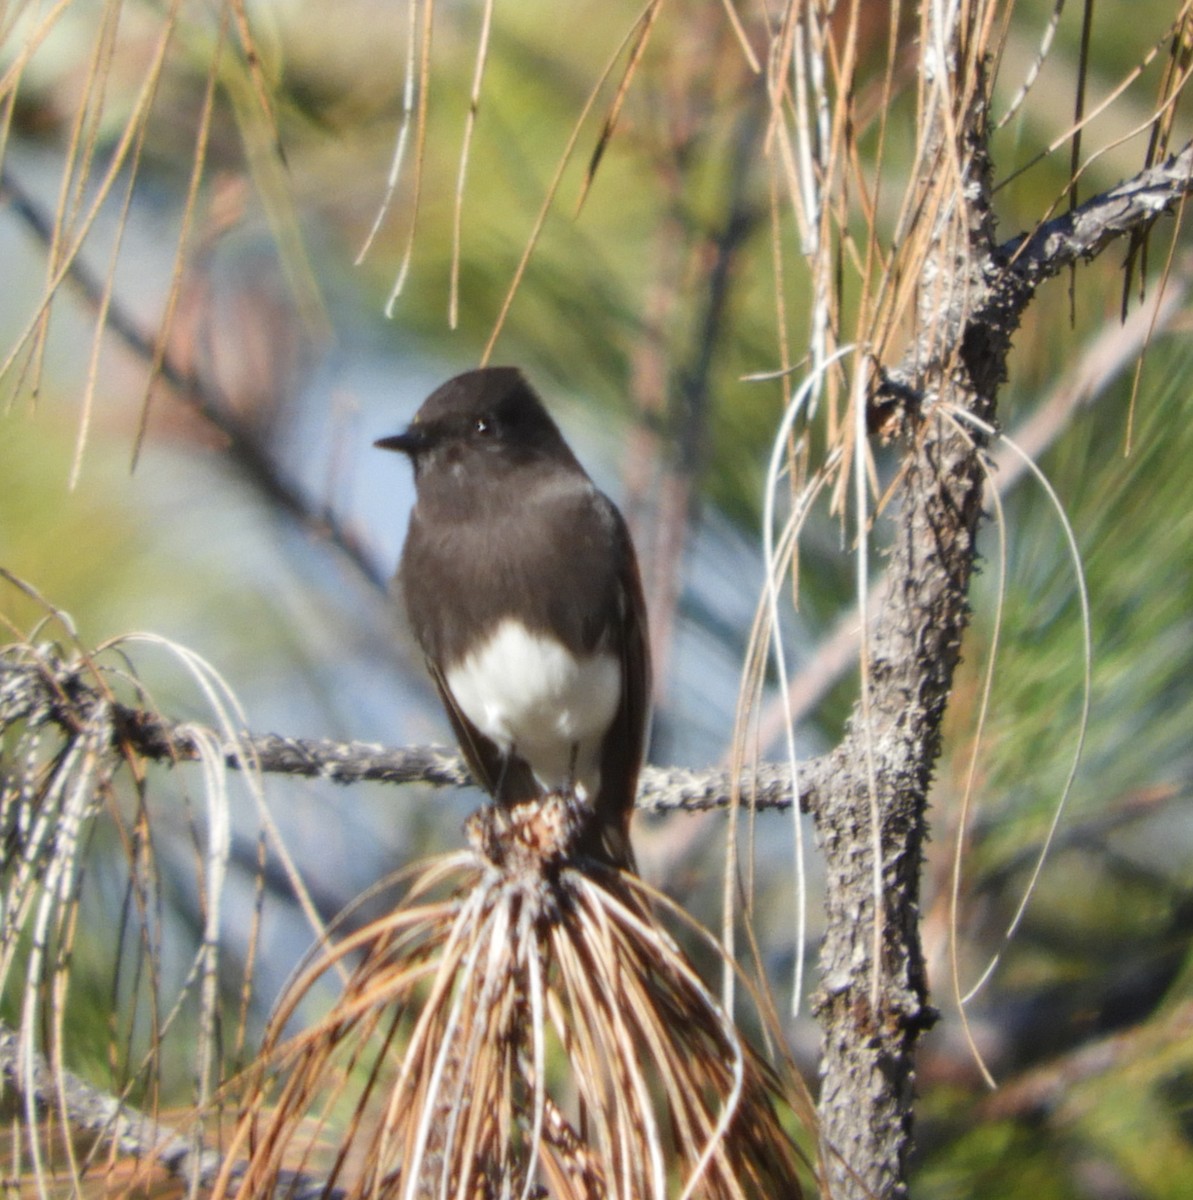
[{"x": 409, "y": 442}]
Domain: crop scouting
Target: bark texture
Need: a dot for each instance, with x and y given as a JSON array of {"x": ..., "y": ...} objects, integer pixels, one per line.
[
  {"x": 973, "y": 292},
  {"x": 873, "y": 999}
]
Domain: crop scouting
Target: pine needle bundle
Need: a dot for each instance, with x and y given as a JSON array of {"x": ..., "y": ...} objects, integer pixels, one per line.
[{"x": 520, "y": 1025}]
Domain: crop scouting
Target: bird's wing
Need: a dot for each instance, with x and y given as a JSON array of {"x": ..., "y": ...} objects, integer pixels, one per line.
[
  {"x": 484, "y": 758},
  {"x": 625, "y": 744}
]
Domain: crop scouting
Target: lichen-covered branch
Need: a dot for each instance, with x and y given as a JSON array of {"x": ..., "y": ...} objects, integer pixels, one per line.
[
  {"x": 1127, "y": 208},
  {"x": 129, "y": 1132},
  {"x": 59, "y": 693},
  {"x": 873, "y": 999}
]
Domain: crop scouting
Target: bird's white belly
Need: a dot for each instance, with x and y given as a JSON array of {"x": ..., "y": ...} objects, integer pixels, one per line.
[{"x": 527, "y": 692}]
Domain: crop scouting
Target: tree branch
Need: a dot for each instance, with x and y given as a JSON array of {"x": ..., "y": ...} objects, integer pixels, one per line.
[
  {"x": 873, "y": 1000},
  {"x": 1128, "y": 208},
  {"x": 127, "y": 1130},
  {"x": 55, "y": 692}
]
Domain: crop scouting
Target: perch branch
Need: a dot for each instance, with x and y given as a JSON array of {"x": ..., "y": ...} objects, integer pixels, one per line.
[{"x": 54, "y": 692}]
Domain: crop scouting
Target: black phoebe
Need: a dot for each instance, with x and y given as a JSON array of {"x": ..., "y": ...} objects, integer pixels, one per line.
[{"x": 523, "y": 592}]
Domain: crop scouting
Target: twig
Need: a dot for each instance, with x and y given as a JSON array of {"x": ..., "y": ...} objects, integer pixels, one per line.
[
  {"x": 1086, "y": 231},
  {"x": 56, "y": 693}
]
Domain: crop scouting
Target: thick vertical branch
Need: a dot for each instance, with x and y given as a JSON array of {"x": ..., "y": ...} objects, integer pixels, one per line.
[{"x": 873, "y": 1012}]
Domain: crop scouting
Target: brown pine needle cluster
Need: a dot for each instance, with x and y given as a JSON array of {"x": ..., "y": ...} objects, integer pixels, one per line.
[{"x": 519, "y": 1026}]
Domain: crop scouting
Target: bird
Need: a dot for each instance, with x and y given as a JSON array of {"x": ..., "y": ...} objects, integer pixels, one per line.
[{"x": 522, "y": 589}]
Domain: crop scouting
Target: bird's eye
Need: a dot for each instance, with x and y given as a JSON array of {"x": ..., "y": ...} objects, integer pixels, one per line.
[{"x": 484, "y": 425}]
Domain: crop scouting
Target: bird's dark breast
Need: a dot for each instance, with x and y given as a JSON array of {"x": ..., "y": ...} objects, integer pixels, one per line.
[{"x": 475, "y": 572}]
